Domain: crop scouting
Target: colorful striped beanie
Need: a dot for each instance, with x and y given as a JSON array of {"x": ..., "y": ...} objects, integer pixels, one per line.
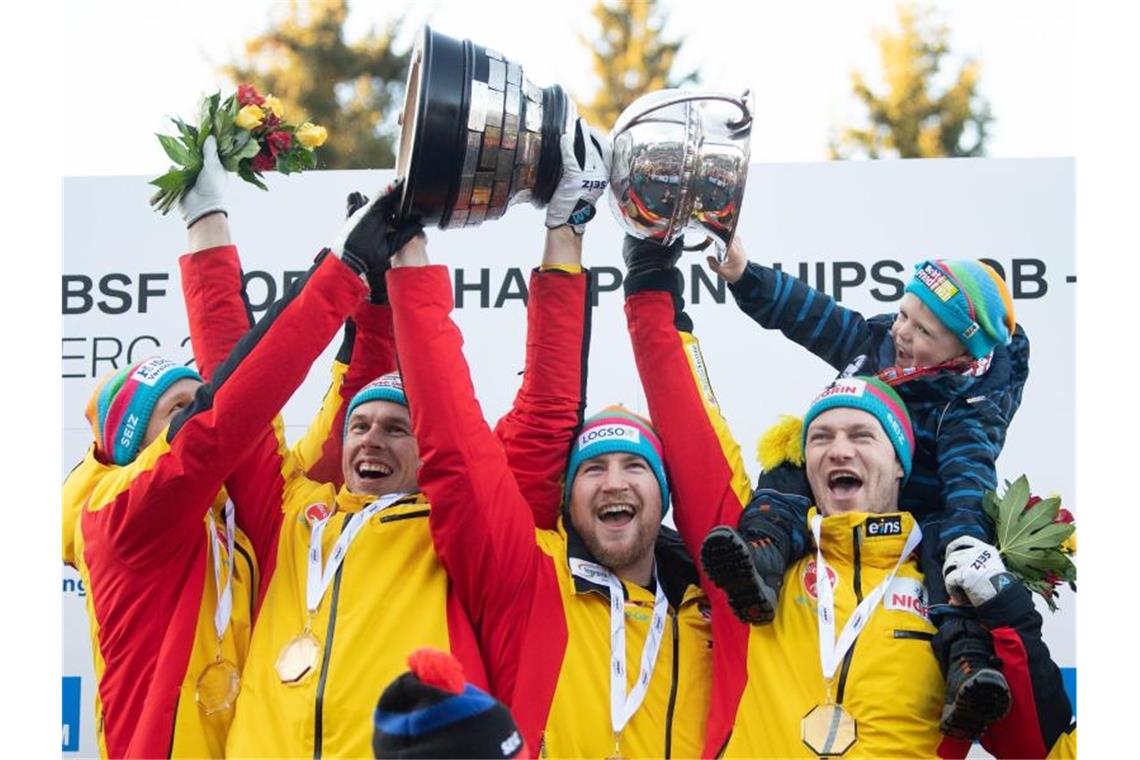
[
  {"x": 877, "y": 398},
  {"x": 614, "y": 429},
  {"x": 120, "y": 407},
  {"x": 430, "y": 711},
  {"x": 389, "y": 387},
  {"x": 970, "y": 299}
]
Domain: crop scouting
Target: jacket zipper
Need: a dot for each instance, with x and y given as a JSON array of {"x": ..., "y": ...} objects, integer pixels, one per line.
[
  {"x": 673, "y": 689},
  {"x": 318, "y": 717},
  {"x": 858, "y": 583}
]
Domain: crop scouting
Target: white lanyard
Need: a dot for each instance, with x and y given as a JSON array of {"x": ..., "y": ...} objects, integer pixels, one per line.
[
  {"x": 318, "y": 581},
  {"x": 623, "y": 706},
  {"x": 225, "y": 593},
  {"x": 831, "y": 652}
]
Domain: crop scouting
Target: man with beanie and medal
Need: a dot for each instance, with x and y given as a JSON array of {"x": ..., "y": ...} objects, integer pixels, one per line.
[
  {"x": 169, "y": 611},
  {"x": 958, "y": 359},
  {"x": 599, "y": 615},
  {"x": 845, "y": 665},
  {"x": 353, "y": 578}
]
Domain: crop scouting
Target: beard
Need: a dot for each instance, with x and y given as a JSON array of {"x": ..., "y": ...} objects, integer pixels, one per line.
[{"x": 617, "y": 557}]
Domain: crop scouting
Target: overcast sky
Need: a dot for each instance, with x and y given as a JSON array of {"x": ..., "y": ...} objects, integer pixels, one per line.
[{"x": 796, "y": 57}]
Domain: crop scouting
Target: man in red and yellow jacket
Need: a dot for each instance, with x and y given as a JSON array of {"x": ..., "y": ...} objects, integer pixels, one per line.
[
  {"x": 352, "y": 578},
  {"x": 167, "y": 443},
  {"x": 882, "y": 693},
  {"x": 549, "y": 603}
]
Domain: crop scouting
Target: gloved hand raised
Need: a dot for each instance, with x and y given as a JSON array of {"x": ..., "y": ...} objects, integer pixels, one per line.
[
  {"x": 371, "y": 235},
  {"x": 643, "y": 256},
  {"x": 208, "y": 193},
  {"x": 974, "y": 569},
  {"x": 585, "y": 176}
]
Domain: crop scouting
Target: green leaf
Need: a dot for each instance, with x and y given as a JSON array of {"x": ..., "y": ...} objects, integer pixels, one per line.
[
  {"x": 251, "y": 149},
  {"x": 175, "y": 149},
  {"x": 249, "y": 176},
  {"x": 172, "y": 181}
]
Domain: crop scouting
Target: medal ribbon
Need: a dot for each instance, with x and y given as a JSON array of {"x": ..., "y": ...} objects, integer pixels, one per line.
[
  {"x": 622, "y": 705},
  {"x": 832, "y": 652},
  {"x": 318, "y": 580},
  {"x": 225, "y": 593}
]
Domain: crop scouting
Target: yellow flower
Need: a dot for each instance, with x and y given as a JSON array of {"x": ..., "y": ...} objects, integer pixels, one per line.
[
  {"x": 249, "y": 117},
  {"x": 274, "y": 104},
  {"x": 1070, "y": 544},
  {"x": 310, "y": 135}
]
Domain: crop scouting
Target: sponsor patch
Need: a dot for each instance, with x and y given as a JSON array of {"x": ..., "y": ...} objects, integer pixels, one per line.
[
  {"x": 878, "y": 527},
  {"x": 589, "y": 571},
  {"x": 939, "y": 284},
  {"x": 697, "y": 360},
  {"x": 314, "y": 513},
  {"x": 854, "y": 367},
  {"x": 908, "y": 595},
  {"x": 149, "y": 372},
  {"x": 809, "y": 578},
  {"x": 848, "y": 386},
  {"x": 611, "y": 432}
]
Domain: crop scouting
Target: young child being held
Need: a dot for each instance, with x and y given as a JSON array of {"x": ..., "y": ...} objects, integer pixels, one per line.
[{"x": 956, "y": 356}]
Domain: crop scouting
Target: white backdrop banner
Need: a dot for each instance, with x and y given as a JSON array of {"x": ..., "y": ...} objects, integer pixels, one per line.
[{"x": 851, "y": 229}]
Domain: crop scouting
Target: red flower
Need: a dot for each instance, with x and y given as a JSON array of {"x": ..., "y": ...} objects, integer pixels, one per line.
[
  {"x": 263, "y": 162},
  {"x": 1033, "y": 501},
  {"x": 279, "y": 142},
  {"x": 1064, "y": 516},
  {"x": 272, "y": 121},
  {"x": 1052, "y": 578},
  {"x": 247, "y": 94}
]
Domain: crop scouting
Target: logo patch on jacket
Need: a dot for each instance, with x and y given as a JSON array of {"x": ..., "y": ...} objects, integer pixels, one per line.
[
  {"x": 878, "y": 527},
  {"x": 314, "y": 513},
  {"x": 908, "y": 595},
  {"x": 810, "y": 578}
]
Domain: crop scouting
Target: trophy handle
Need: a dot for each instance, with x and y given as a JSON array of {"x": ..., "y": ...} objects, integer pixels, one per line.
[{"x": 740, "y": 101}]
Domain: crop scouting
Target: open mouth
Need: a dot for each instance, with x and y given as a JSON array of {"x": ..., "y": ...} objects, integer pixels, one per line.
[
  {"x": 372, "y": 471},
  {"x": 617, "y": 515},
  {"x": 844, "y": 483}
]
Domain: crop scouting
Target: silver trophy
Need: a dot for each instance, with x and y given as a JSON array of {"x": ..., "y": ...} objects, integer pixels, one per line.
[
  {"x": 476, "y": 135},
  {"x": 680, "y": 161}
]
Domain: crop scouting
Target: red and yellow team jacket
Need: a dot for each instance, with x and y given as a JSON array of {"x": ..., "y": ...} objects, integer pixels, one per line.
[
  {"x": 391, "y": 594},
  {"x": 145, "y": 605},
  {"x": 550, "y": 628},
  {"x": 766, "y": 678}
]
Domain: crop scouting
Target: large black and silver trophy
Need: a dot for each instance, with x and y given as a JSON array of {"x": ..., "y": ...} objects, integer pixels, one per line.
[
  {"x": 476, "y": 135},
  {"x": 680, "y": 161}
]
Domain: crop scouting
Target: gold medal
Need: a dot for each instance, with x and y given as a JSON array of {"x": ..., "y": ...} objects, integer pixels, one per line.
[
  {"x": 828, "y": 730},
  {"x": 218, "y": 686},
  {"x": 298, "y": 659},
  {"x": 617, "y": 748}
]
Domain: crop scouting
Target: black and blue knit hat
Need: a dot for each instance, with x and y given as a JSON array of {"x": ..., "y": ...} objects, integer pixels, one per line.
[{"x": 430, "y": 711}]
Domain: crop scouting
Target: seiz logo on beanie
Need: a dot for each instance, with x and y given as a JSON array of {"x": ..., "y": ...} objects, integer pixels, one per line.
[{"x": 608, "y": 433}]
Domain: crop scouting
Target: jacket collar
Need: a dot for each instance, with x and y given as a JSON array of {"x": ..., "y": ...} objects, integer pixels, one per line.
[
  {"x": 675, "y": 569},
  {"x": 876, "y": 539},
  {"x": 348, "y": 501}
]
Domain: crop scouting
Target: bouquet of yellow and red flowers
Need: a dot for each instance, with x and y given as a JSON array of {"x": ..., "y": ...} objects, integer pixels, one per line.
[
  {"x": 252, "y": 138},
  {"x": 1036, "y": 538}
]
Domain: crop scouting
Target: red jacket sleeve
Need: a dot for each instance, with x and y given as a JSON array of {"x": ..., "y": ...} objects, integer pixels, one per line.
[
  {"x": 706, "y": 471},
  {"x": 547, "y": 411},
  {"x": 480, "y": 522},
  {"x": 229, "y": 413},
  {"x": 216, "y": 308}
]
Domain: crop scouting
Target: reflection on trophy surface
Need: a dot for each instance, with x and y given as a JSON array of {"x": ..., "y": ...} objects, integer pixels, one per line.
[
  {"x": 680, "y": 161},
  {"x": 476, "y": 135}
]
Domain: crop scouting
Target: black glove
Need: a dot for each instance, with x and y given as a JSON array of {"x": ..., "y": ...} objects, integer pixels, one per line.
[
  {"x": 377, "y": 279},
  {"x": 650, "y": 265},
  {"x": 372, "y": 234}
]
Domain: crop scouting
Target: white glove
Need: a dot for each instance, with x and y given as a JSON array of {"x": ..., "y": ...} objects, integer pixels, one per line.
[
  {"x": 208, "y": 193},
  {"x": 974, "y": 568},
  {"x": 575, "y": 200}
]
